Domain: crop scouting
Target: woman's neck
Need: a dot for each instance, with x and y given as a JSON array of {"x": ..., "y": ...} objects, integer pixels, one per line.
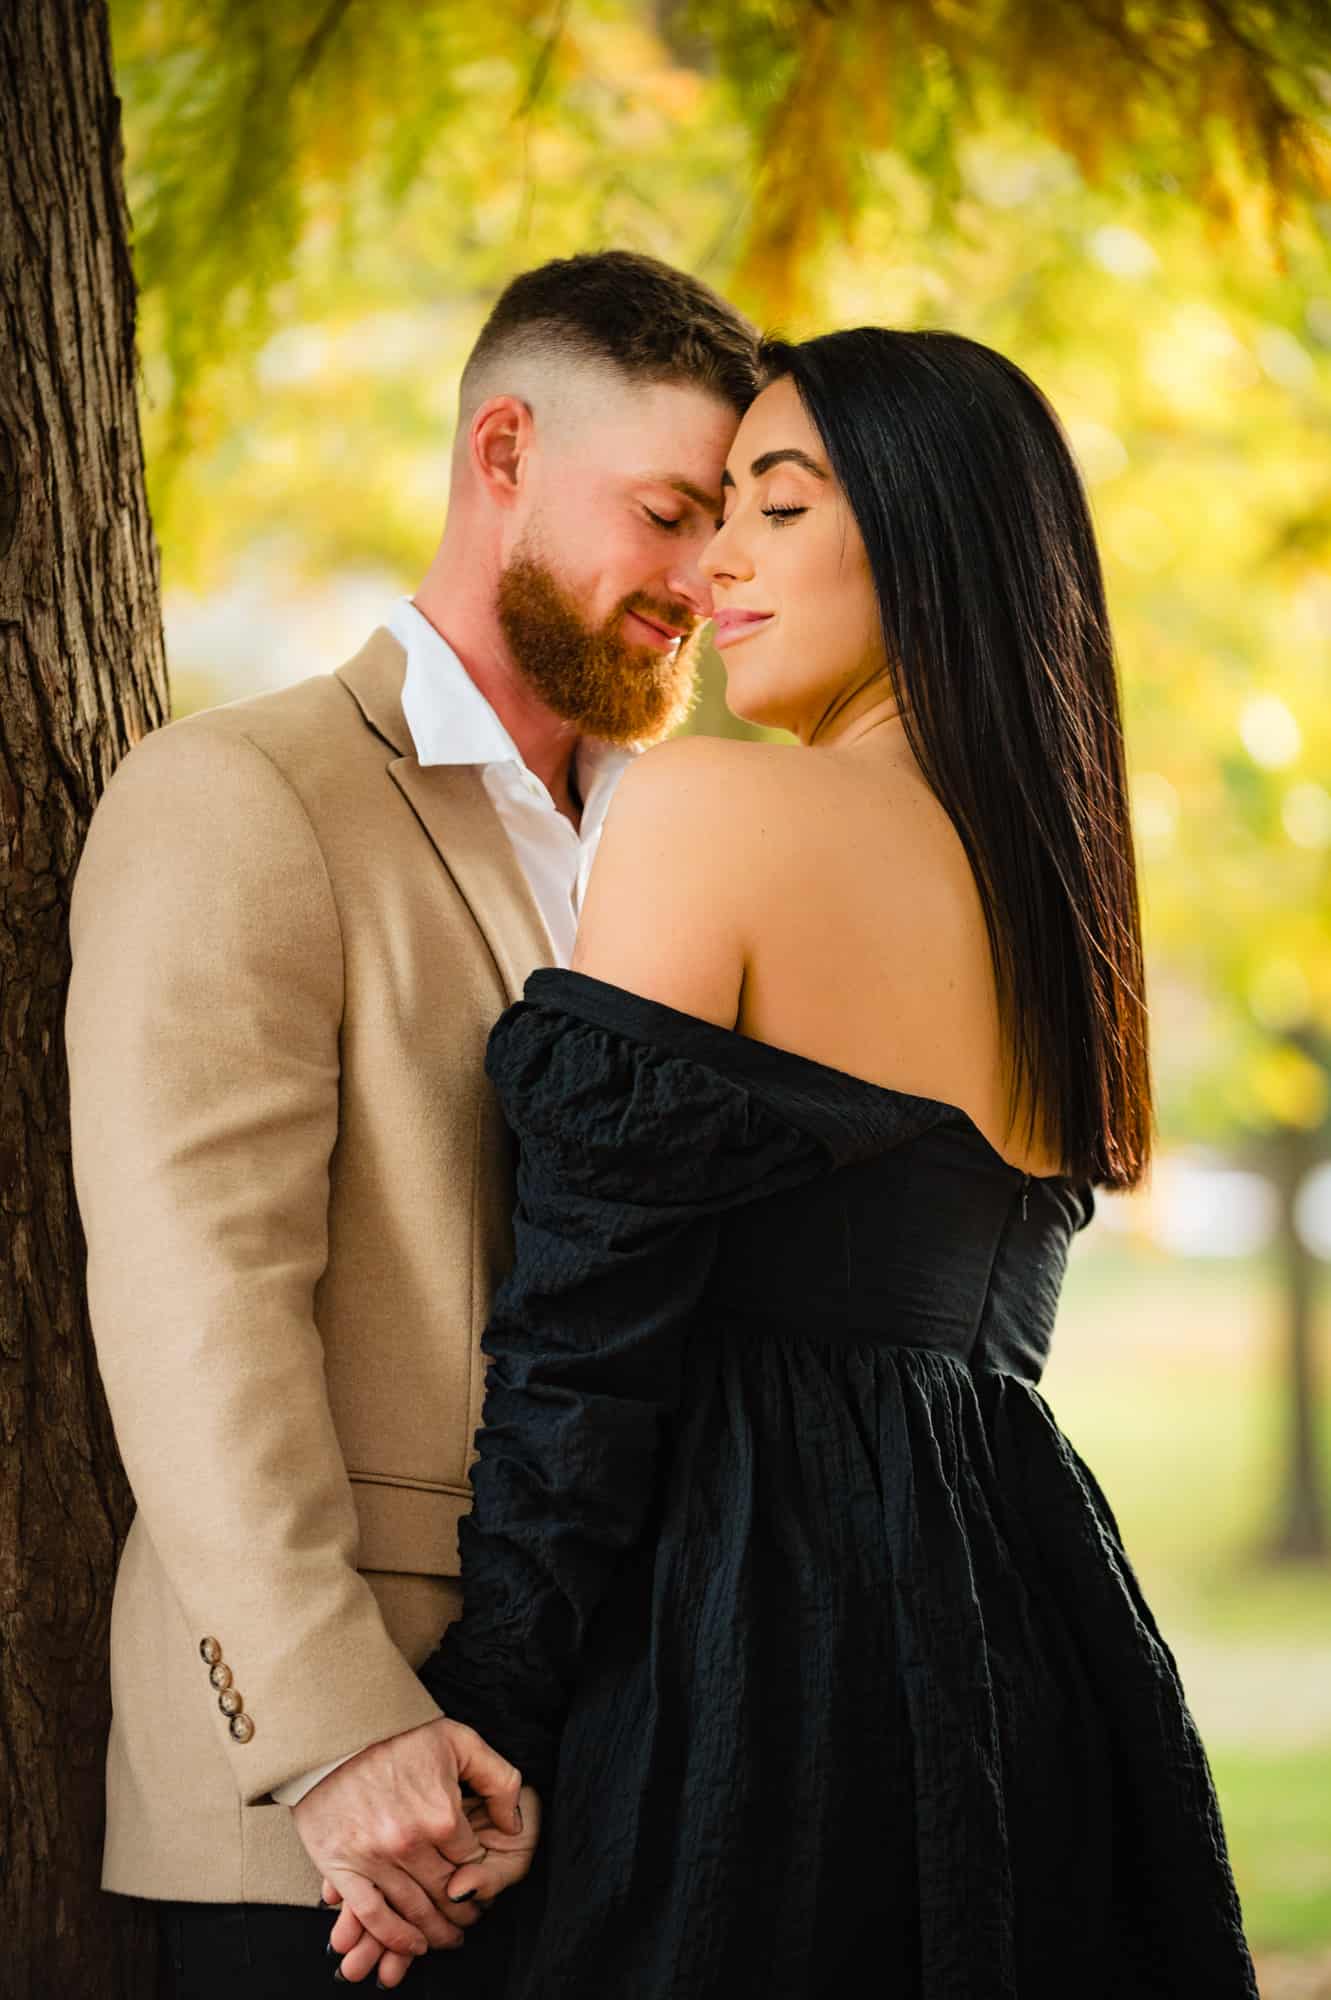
[{"x": 871, "y": 717}]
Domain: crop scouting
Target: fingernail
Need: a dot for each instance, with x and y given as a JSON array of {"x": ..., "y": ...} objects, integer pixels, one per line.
[
  {"x": 465, "y": 1897},
  {"x": 341, "y": 1978}
]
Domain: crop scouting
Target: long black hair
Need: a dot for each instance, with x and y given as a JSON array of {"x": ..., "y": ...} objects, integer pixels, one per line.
[{"x": 979, "y": 538}]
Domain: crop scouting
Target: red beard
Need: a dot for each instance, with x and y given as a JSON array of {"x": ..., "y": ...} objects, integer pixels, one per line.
[{"x": 592, "y": 675}]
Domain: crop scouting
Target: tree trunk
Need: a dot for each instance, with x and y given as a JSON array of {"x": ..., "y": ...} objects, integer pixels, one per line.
[
  {"x": 82, "y": 675},
  {"x": 1301, "y": 1529}
]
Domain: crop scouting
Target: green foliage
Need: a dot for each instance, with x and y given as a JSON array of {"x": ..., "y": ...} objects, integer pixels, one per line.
[
  {"x": 271, "y": 130},
  {"x": 274, "y": 143},
  {"x": 1220, "y": 101}
]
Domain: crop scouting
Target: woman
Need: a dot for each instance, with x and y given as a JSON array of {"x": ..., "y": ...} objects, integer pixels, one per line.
[{"x": 782, "y": 1586}]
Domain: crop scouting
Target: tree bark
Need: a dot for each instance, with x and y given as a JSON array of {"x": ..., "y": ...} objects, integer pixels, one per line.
[{"x": 82, "y": 676}]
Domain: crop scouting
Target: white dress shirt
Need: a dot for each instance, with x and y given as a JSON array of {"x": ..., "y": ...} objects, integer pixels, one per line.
[{"x": 451, "y": 722}]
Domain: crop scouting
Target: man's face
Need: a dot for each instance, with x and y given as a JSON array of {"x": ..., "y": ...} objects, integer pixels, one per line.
[{"x": 601, "y": 600}]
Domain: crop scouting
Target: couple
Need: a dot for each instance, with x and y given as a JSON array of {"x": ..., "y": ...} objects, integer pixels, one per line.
[{"x": 654, "y": 1576}]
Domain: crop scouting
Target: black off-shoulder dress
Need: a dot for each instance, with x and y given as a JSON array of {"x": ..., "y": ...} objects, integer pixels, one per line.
[{"x": 781, "y": 1583}]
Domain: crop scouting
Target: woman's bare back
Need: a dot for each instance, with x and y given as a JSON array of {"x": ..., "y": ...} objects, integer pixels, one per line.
[
  {"x": 820, "y": 900},
  {"x": 871, "y": 952}
]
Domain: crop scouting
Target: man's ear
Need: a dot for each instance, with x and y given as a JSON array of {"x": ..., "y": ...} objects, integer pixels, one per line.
[{"x": 500, "y": 440}]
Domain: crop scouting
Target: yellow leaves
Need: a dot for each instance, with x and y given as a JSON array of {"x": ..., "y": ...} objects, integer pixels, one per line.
[
  {"x": 680, "y": 95},
  {"x": 1305, "y": 814},
  {"x": 1280, "y": 993},
  {"x": 1196, "y": 361},
  {"x": 254, "y": 109},
  {"x": 1270, "y": 731},
  {"x": 1289, "y": 1088},
  {"x": 1139, "y": 538},
  {"x": 1155, "y": 813},
  {"x": 802, "y": 183},
  {"x": 1223, "y": 109}
]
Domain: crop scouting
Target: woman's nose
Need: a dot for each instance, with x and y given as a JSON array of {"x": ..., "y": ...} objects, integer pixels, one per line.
[{"x": 724, "y": 559}]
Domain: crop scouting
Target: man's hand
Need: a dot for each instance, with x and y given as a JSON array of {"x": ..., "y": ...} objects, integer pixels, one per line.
[
  {"x": 387, "y": 1829},
  {"x": 501, "y": 1860}
]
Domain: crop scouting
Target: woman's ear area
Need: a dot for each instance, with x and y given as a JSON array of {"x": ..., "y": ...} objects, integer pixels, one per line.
[{"x": 662, "y": 913}]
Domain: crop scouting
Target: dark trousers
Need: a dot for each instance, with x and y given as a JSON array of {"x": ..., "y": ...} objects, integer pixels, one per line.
[{"x": 270, "y": 1951}]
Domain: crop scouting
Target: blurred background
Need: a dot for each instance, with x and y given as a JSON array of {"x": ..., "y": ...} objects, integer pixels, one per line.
[{"x": 1135, "y": 205}]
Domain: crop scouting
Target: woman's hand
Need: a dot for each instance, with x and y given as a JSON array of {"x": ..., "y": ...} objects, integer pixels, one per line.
[
  {"x": 501, "y": 1860},
  {"x": 387, "y": 1828}
]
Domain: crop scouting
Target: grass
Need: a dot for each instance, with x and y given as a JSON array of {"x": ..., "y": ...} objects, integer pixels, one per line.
[
  {"x": 1166, "y": 1376},
  {"x": 1278, "y": 1817}
]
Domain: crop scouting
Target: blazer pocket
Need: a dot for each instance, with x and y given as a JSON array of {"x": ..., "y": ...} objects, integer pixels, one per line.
[{"x": 408, "y": 1527}]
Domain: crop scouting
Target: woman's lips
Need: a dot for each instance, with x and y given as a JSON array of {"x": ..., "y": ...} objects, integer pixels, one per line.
[{"x": 730, "y": 626}]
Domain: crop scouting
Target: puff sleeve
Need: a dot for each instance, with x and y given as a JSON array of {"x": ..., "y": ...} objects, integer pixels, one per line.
[{"x": 628, "y": 1154}]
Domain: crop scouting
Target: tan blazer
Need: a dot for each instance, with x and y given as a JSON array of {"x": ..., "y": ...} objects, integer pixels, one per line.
[{"x": 290, "y": 943}]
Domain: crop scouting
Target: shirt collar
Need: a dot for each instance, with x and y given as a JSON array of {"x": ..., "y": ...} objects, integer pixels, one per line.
[
  {"x": 451, "y": 722},
  {"x": 599, "y": 767}
]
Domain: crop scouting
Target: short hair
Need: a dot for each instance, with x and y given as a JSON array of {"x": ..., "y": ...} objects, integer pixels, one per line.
[{"x": 648, "y": 320}]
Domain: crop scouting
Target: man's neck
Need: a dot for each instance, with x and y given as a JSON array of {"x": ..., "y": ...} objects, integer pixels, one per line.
[{"x": 545, "y": 742}]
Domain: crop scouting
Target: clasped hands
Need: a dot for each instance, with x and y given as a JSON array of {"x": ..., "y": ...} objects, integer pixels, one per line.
[{"x": 412, "y": 1863}]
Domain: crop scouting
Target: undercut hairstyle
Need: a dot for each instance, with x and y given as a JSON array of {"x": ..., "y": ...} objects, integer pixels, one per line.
[
  {"x": 983, "y": 554},
  {"x": 616, "y": 307}
]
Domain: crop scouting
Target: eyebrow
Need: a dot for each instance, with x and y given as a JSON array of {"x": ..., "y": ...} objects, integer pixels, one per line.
[
  {"x": 686, "y": 487},
  {"x": 790, "y": 456}
]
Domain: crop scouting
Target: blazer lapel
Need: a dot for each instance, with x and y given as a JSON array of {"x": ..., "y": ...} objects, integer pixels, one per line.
[
  {"x": 451, "y": 803},
  {"x": 453, "y": 807}
]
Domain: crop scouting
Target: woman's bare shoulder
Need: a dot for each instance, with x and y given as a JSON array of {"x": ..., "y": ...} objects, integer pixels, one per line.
[
  {"x": 687, "y": 839},
  {"x": 726, "y": 780},
  {"x": 686, "y": 758},
  {"x": 767, "y": 808},
  {"x": 704, "y": 796}
]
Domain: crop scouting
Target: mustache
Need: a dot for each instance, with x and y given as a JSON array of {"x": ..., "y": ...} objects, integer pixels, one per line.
[{"x": 675, "y": 615}]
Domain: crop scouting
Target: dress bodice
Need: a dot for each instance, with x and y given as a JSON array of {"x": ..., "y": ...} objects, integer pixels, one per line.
[
  {"x": 924, "y": 1246},
  {"x": 910, "y": 1228}
]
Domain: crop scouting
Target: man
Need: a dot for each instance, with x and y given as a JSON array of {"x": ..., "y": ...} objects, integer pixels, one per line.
[{"x": 295, "y": 922}]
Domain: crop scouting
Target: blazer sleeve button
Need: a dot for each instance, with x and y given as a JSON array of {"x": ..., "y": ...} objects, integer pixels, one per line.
[
  {"x": 210, "y": 1652},
  {"x": 230, "y": 1701},
  {"x": 242, "y": 1729},
  {"x": 221, "y": 1675}
]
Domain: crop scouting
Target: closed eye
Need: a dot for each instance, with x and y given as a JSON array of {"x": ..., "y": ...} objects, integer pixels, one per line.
[
  {"x": 662, "y": 520},
  {"x": 784, "y": 513}
]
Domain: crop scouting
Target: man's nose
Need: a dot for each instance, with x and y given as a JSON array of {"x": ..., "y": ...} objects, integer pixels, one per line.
[{"x": 687, "y": 583}]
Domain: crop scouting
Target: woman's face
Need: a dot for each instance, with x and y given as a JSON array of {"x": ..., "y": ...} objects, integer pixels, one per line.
[{"x": 796, "y": 617}]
